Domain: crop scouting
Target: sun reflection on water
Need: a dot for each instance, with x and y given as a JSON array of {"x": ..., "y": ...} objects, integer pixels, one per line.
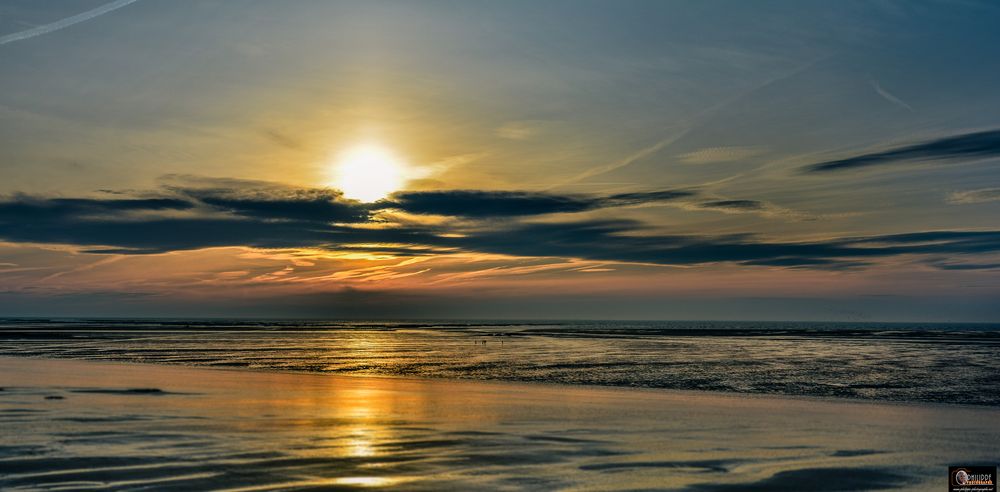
[
  {"x": 367, "y": 481},
  {"x": 361, "y": 437},
  {"x": 360, "y": 443}
]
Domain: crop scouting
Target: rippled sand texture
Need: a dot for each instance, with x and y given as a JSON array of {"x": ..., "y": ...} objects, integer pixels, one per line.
[{"x": 90, "y": 425}]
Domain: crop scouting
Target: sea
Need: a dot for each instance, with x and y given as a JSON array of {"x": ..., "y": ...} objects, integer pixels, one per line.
[{"x": 908, "y": 362}]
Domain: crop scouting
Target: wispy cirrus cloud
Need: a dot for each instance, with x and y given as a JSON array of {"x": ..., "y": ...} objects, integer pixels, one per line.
[
  {"x": 745, "y": 206},
  {"x": 964, "y": 146},
  {"x": 983, "y": 195},
  {"x": 518, "y": 130},
  {"x": 712, "y": 155}
]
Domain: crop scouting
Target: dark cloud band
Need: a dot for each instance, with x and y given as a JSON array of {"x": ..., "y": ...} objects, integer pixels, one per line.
[
  {"x": 322, "y": 219},
  {"x": 736, "y": 205},
  {"x": 965, "y": 146},
  {"x": 482, "y": 204}
]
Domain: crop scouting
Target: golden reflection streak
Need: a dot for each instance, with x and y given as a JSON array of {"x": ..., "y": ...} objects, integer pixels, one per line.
[
  {"x": 356, "y": 481},
  {"x": 363, "y": 434}
]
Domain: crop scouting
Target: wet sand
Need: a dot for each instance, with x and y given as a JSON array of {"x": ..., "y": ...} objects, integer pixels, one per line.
[{"x": 89, "y": 425}]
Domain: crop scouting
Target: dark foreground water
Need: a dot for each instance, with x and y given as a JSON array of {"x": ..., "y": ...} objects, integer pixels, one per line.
[{"x": 951, "y": 363}]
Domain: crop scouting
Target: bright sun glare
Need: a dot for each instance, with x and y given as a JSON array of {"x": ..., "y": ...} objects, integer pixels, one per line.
[{"x": 369, "y": 173}]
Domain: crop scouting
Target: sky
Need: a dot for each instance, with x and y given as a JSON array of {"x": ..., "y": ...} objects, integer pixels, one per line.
[{"x": 789, "y": 160}]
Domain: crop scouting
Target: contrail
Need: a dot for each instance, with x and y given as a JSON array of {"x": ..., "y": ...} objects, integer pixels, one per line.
[
  {"x": 69, "y": 21},
  {"x": 628, "y": 160},
  {"x": 690, "y": 125},
  {"x": 889, "y": 97}
]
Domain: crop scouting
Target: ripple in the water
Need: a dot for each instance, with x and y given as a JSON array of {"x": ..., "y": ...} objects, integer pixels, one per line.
[{"x": 898, "y": 362}]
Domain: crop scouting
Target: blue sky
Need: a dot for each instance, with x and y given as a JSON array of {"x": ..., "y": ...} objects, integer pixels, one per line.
[{"x": 544, "y": 115}]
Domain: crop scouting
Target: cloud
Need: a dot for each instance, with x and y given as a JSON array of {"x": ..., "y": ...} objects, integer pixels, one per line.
[
  {"x": 743, "y": 206},
  {"x": 934, "y": 241},
  {"x": 638, "y": 198},
  {"x": 282, "y": 139},
  {"x": 261, "y": 199},
  {"x": 734, "y": 205},
  {"x": 517, "y": 130},
  {"x": 815, "y": 263},
  {"x": 943, "y": 265},
  {"x": 287, "y": 218},
  {"x": 482, "y": 204},
  {"x": 630, "y": 242},
  {"x": 983, "y": 195},
  {"x": 964, "y": 146},
  {"x": 473, "y": 203},
  {"x": 29, "y": 209},
  {"x": 714, "y": 155},
  {"x": 312, "y": 205}
]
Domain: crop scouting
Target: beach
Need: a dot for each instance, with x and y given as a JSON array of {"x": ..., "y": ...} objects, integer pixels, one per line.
[{"x": 85, "y": 425}]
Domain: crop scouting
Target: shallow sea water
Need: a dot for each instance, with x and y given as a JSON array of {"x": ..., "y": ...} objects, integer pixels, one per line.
[
  {"x": 82, "y": 425},
  {"x": 895, "y": 362}
]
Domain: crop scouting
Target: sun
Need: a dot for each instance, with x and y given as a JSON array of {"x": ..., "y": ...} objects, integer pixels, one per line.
[{"x": 368, "y": 172}]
